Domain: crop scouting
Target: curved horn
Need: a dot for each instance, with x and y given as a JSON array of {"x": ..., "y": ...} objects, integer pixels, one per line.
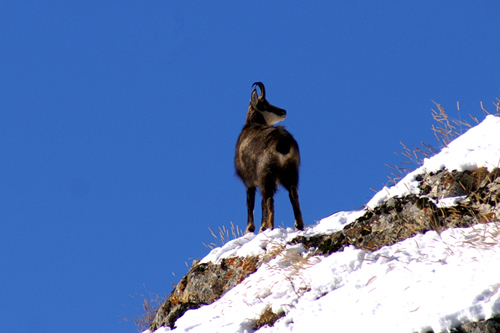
[{"x": 262, "y": 89}]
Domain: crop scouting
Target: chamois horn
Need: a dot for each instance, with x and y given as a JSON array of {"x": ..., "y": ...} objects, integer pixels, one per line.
[{"x": 262, "y": 89}]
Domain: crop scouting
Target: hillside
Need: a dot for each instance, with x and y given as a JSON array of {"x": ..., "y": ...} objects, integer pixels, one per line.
[{"x": 421, "y": 256}]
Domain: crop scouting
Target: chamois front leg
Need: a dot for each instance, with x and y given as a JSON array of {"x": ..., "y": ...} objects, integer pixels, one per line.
[{"x": 250, "y": 207}]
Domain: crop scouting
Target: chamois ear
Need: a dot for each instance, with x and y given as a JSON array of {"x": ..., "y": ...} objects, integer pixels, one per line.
[{"x": 255, "y": 98}]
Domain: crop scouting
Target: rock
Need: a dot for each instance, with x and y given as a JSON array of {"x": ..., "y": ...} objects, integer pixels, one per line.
[
  {"x": 484, "y": 326},
  {"x": 203, "y": 284},
  {"x": 400, "y": 218},
  {"x": 444, "y": 184}
]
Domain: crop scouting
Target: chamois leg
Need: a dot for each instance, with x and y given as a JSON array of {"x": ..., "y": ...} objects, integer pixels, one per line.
[
  {"x": 250, "y": 206},
  {"x": 294, "y": 199},
  {"x": 267, "y": 214},
  {"x": 267, "y": 189}
]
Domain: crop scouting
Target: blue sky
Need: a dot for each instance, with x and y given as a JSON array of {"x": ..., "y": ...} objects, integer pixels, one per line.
[{"x": 118, "y": 123}]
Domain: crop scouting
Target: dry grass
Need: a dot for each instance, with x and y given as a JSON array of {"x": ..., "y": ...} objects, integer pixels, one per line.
[
  {"x": 446, "y": 130},
  {"x": 268, "y": 318},
  {"x": 288, "y": 263},
  {"x": 152, "y": 302},
  {"x": 225, "y": 235}
]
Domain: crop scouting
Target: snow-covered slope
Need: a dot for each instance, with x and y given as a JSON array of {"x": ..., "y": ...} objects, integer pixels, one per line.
[{"x": 429, "y": 282}]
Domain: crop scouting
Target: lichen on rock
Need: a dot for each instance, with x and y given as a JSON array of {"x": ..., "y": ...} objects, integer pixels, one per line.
[{"x": 203, "y": 284}]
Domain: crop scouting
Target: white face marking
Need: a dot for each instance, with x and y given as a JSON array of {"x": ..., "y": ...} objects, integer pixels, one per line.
[{"x": 272, "y": 118}]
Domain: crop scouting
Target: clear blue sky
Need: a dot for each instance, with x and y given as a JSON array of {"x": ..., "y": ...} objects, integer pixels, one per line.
[{"x": 118, "y": 122}]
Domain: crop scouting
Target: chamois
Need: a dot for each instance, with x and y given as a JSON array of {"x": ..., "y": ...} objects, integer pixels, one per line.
[{"x": 266, "y": 156}]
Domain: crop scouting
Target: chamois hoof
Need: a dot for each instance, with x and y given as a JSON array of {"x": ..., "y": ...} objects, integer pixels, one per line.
[
  {"x": 299, "y": 227},
  {"x": 262, "y": 229},
  {"x": 250, "y": 229}
]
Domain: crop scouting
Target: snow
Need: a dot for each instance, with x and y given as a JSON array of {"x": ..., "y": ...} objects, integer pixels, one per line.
[
  {"x": 428, "y": 282},
  {"x": 448, "y": 202}
]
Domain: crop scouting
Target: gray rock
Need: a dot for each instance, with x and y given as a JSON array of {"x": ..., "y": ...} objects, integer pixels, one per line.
[
  {"x": 203, "y": 284},
  {"x": 484, "y": 326}
]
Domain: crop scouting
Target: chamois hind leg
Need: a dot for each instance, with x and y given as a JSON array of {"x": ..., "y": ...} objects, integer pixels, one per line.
[
  {"x": 250, "y": 206},
  {"x": 267, "y": 213},
  {"x": 294, "y": 199},
  {"x": 267, "y": 189}
]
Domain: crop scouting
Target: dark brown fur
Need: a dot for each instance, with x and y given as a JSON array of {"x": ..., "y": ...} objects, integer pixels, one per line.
[{"x": 266, "y": 156}]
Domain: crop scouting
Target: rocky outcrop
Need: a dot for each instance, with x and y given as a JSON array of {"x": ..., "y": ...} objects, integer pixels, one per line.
[
  {"x": 483, "y": 326},
  {"x": 204, "y": 284},
  {"x": 398, "y": 218}
]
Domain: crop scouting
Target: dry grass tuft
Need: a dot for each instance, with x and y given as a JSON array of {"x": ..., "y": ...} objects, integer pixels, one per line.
[
  {"x": 268, "y": 318},
  {"x": 225, "y": 235},
  {"x": 445, "y": 131},
  {"x": 152, "y": 302},
  {"x": 296, "y": 261}
]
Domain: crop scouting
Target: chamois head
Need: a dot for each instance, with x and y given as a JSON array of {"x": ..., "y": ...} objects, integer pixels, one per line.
[{"x": 261, "y": 111}]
